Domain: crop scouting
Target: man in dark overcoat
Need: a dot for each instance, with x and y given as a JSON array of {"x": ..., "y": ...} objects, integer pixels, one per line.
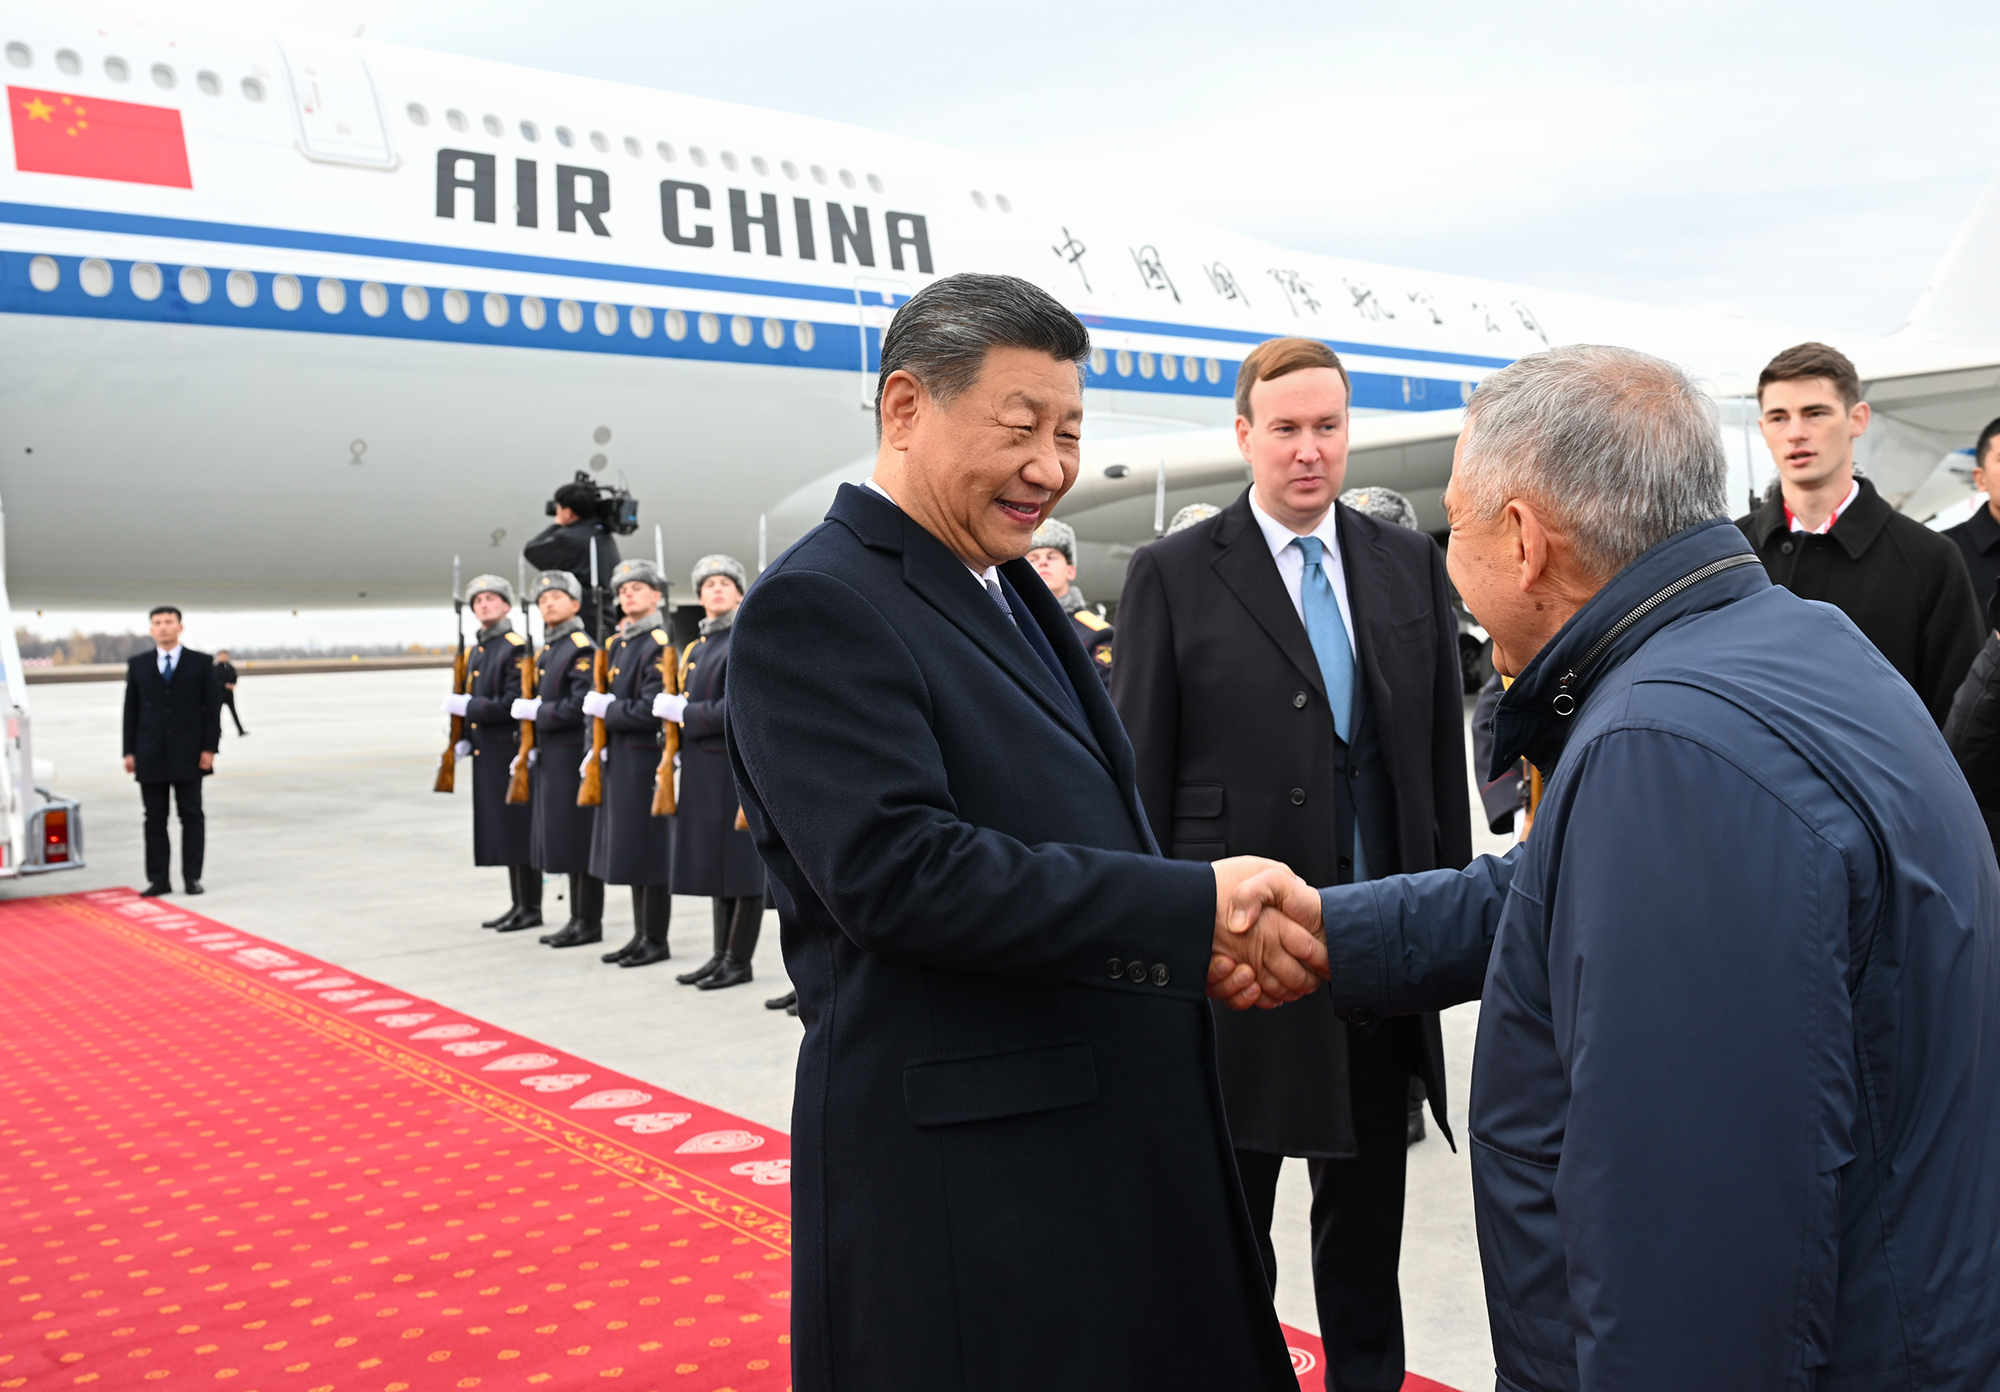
[
  {"x": 173, "y": 726},
  {"x": 629, "y": 845},
  {"x": 1289, "y": 674},
  {"x": 579, "y": 542},
  {"x": 1010, "y": 1165},
  {"x": 711, "y": 856},
  {"x": 502, "y": 832},
  {"x": 560, "y": 843}
]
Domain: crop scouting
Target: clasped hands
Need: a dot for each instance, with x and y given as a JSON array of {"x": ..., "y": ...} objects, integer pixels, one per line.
[{"x": 1270, "y": 945}]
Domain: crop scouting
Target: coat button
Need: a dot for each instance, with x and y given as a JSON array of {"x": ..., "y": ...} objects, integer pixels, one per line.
[
  {"x": 1136, "y": 973},
  {"x": 1298, "y": 797},
  {"x": 1161, "y": 976},
  {"x": 1363, "y": 1016},
  {"x": 1114, "y": 969},
  {"x": 1353, "y": 772},
  {"x": 1786, "y": 548},
  {"x": 1299, "y": 700},
  {"x": 1347, "y": 862}
]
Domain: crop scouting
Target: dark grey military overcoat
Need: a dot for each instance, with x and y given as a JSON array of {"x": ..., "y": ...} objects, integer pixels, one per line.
[{"x": 629, "y": 845}]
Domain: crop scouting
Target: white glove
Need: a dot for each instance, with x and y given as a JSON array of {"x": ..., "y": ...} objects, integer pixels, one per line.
[
  {"x": 455, "y": 705},
  {"x": 525, "y": 707},
  {"x": 604, "y": 755},
  {"x": 533, "y": 754},
  {"x": 677, "y": 761},
  {"x": 463, "y": 749},
  {"x": 666, "y": 707},
  {"x": 584, "y": 767},
  {"x": 596, "y": 703}
]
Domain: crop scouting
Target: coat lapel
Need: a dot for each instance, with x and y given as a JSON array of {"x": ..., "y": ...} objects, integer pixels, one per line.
[
  {"x": 1244, "y": 564},
  {"x": 1365, "y": 564}
]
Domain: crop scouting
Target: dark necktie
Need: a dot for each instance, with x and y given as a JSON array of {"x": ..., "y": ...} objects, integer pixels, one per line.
[
  {"x": 1036, "y": 642},
  {"x": 167, "y": 671}
]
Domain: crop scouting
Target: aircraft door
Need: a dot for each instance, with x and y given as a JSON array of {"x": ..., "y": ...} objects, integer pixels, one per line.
[
  {"x": 334, "y": 102},
  {"x": 875, "y": 301}
]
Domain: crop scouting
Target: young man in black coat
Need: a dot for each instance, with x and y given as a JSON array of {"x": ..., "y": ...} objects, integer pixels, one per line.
[
  {"x": 1288, "y": 671},
  {"x": 173, "y": 726},
  {"x": 559, "y": 843},
  {"x": 1830, "y": 536},
  {"x": 501, "y": 831},
  {"x": 1978, "y": 536}
]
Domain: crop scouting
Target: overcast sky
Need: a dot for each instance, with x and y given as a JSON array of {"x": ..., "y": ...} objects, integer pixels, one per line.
[{"x": 1806, "y": 162}]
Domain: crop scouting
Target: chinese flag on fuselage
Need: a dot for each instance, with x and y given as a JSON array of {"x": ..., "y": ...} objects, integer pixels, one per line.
[{"x": 59, "y": 133}]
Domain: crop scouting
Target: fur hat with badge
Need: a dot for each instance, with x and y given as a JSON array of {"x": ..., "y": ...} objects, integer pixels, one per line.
[
  {"x": 490, "y": 584},
  {"x": 719, "y": 564},
  {"x": 1059, "y": 535},
  {"x": 560, "y": 580},
  {"x": 637, "y": 572}
]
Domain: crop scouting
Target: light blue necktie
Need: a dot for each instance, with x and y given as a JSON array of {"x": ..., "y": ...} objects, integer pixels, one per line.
[{"x": 1328, "y": 634}]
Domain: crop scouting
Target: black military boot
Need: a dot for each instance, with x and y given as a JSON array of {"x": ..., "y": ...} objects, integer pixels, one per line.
[
  {"x": 658, "y": 908},
  {"x": 744, "y": 926},
  {"x": 638, "y": 942},
  {"x": 514, "y": 892},
  {"x": 575, "y": 907},
  {"x": 788, "y": 1001},
  {"x": 714, "y": 963},
  {"x": 529, "y": 882},
  {"x": 588, "y": 925}
]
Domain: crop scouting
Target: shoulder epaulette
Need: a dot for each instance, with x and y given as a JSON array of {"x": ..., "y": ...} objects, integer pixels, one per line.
[
  {"x": 580, "y": 638},
  {"x": 659, "y": 634},
  {"x": 1091, "y": 619},
  {"x": 515, "y": 638}
]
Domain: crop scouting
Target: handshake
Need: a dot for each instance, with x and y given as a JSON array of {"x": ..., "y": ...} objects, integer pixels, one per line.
[{"x": 1270, "y": 945}]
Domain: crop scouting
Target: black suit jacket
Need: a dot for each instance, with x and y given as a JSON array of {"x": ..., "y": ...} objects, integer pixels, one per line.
[
  {"x": 1010, "y": 1164},
  {"x": 1237, "y": 755},
  {"x": 170, "y": 725}
]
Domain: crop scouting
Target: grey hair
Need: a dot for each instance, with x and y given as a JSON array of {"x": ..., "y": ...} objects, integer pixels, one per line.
[
  {"x": 1620, "y": 448},
  {"x": 942, "y": 335}
]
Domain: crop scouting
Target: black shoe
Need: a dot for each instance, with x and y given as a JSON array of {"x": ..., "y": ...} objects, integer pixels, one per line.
[
  {"x": 793, "y": 1010},
  {"x": 632, "y": 945},
  {"x": 513, "y": 912},
  {"x": 730, "y": 973},
  {"x": 645, "y": 954},
  {"x": 702, "y": 972},
  {"x": 155, "y": 889},
  {"x": 525, "y": 918},
  {"x": 194, "y": 887},
  {"x": 1416, "y": 1132},
  {"x": 788, "y": 1001},
  {"x": 582, "y": 935}
]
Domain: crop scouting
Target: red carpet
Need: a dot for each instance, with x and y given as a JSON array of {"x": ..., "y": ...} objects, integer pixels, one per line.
[{"x": 223, "y": 1161}]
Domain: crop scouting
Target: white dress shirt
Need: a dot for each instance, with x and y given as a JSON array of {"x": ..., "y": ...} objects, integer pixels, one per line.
[
  {"x": 989, "y": 575},
  {"x": 1291, "y": 560},
  {"x": 160, "y": 656},
  {"x": 1853, "y": 492}
]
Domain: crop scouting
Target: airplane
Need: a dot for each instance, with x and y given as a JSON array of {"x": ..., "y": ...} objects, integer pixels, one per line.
[{"x": 293, "y": 320}]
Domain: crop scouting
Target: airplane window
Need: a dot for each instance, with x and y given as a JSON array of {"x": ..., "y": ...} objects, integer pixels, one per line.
[
  {"x": 241, "y": 287},
  {"x": 44, "y": 273},
  {"x": 1146, "y": 366},
  {"x": 819, "y": 175},
  {"x": 696, "y": 156},
  {"x": 757, "y": 163},
  {"x": 875, "y": 182},
  {"x": 1000, "y": 201},
  {"x": 978, "y": 199},
  {"x": 18, "y": 55},
  {"x": 163, "y": 76},
  {"x": 492, "y": 124},
  {"x": 598, "y": 142},
  {"x": 802, "y": 335},
  {"x": 418, "y": 116},
  {"x": 95, "y": 277},
  {"x": 253, "y": 90},
  {"x": 1212, "y": 370},
  {"x": 666, "y": 151},
  {"x": 570, "y": 315},
  {"x": 416, "y": 302},
  {"x": 642, "y": 322},
  {"x": 709, "y": 327},
  {"x": 332, "y": 295},
  {"x": 633, "y": 147},
  {"x": 846, "y": 179},
  {"x": 564, "y": 138},
  {"x": 1170, "y": 366},
  {"x": 210, "y": 84},
  {"x": 729, "y": 161},
  {"x": 774, "y": 333},
  {"x": 534, "y": 314},
  {"x": 455, "y": 119},
  {"x": 1100, "y": 362},
  {"x": 194, "y": 284},
  {"x": 115, "y": 69},
  {"x": 374, "y": 299},
  {"x": 1124, "y": 363},
  {"x": 677, "y": 325},
  {"x": 146, "y": 280},
  {"x": 739, "y": 330},
  {"x": 496, "y": 309},
  {"x": 597, "y": 463},
  {"x": 606, "y": 318},
  {"x": 791, "y": 170},
  {"x": 68, "y": 61},
  {"x": 285, "y": 292},
  {"x": 529, "y": 133},
  {"x": 1192, "y": 368},
  {"x": 457, "y": 307}
]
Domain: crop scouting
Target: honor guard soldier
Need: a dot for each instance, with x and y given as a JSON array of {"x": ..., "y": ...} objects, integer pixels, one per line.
[
  {"x": 501, "y": 833},
  {"x": 711, "y": 856},
  {"x": 563, "y": 677},
  {"x": 1053, "y": 556},
  {"x": 629, "y": 845}
]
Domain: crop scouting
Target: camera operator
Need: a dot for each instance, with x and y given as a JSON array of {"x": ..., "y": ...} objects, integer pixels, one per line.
[{"x": 566, "y": 544}]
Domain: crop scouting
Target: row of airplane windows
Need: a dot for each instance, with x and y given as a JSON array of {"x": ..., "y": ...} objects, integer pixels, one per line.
[
  {"x": 118, "y": 70},
  {"x": 1168, "y": 365}
]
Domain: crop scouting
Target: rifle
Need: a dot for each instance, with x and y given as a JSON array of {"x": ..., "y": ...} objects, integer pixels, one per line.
[
  {"x": 517, "y": 790},
  {"x": 663, "y": 783},
  {"x": 591, "y": 793},
  {"x": 447, "y": 775}
]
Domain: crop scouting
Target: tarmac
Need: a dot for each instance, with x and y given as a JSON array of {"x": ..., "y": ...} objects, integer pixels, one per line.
[{"x": 324, "y": 835}]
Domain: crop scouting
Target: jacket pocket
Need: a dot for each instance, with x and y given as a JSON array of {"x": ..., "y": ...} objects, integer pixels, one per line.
[
  {"x": 946, "y": 1092},
  {"x": 1411, "y": 630},
  {"x": 1198, "y": 800}
]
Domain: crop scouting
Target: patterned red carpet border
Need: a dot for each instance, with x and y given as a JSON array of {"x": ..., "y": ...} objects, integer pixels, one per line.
[{"x": 226, "y": 1162}]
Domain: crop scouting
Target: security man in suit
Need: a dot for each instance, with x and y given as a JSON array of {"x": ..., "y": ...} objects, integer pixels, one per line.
[
  {"x": 502, "y": 833},
  {"x": 629, "y": 845},
  {"x": 560, "y": 842},
  {"x": 1054, "y": 558},
  {"x": 173, "y": 726},
  {"x": 567, "y": 544},
  {"x": 1289, "y": 673}
]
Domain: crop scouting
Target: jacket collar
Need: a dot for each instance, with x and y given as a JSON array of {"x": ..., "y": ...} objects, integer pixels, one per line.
[
  {"x": 1981, "y": 529},
  {"x": 561, "y": 630},
  {"x": 632, "y": 628},
  {"x": 493, "y": 630},
  {"x": 1855, "y": 529},
  {"x": 1526, "y": 723}
]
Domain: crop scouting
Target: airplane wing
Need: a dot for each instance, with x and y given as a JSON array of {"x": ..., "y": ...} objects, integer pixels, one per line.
[{"x": 1916, "y": 448}]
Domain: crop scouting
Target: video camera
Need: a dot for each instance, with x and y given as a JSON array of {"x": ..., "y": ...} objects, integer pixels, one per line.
[{"x": 613, "y": 506}]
